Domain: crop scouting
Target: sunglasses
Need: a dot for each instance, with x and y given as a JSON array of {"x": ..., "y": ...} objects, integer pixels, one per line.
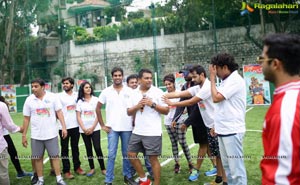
[{"x": 261, "y": 59}]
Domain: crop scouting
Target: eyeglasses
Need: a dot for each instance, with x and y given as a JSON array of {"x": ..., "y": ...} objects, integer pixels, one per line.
[{"x": 261, "y": 59}]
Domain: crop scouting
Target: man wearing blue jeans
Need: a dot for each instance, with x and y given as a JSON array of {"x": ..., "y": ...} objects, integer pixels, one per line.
[
  {"x": 118, "y": 124},
  {"x": 230, "y": 110}
]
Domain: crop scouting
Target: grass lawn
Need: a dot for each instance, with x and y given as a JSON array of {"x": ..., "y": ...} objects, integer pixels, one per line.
[{"x": 252, "y": 150}]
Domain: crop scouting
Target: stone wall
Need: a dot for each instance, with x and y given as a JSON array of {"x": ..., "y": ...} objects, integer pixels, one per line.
[{"x": 171, "y": 53}]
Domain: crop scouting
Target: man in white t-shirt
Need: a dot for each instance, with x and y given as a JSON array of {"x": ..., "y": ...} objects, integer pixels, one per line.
[
  {"x": 41, "y": 109},
  {"x": 118, "y": 123},
  {"x": 230, "y": 99},
  {"x": 5, "y": 123},
  {"x": 147, "y": 106},
  {"x": 68, "y": 101},
  {"x": 201, "y": 94}
]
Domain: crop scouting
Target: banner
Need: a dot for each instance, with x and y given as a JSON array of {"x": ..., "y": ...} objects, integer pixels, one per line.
[
  {"x": 9, "y": 93},
  {"x": 179, "y": 81},
  {"x": 48, "y": 86},
  {"x": 258, "y": 89},
  {"x": 79, "y": 82}
]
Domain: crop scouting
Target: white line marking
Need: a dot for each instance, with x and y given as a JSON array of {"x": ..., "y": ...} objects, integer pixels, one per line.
[
  {"x": 47, "y": 159},
  {"x": 192, "y": 145},
  {"x": 180, "y": 153},
  {"x": 168, "y": 160}
]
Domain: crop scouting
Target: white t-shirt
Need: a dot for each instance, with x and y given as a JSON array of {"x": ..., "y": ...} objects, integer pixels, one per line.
[
  {"x": 42, "y": 115},
  {"x": 230, "y": 113},
  {"x": 172, "y": 109},
  {"x": 68, "y": 103},
  {"x": 148, "y": 122},
  {"x": 5, "y": 132},
  {"x": 206, "y": 105},
  {"x": 116, "y": 108},
  {"x": 88, "y": 113}
]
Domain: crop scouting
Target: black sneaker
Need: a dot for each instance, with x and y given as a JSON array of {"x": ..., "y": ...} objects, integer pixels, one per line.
[
  {"x": 218, "y": 179},
  {"x": 176, "y": 168},
  {"x": 34, "y": 179},
  {"x": 129, "y": 181},
  {"x": 107, "y": 183}
]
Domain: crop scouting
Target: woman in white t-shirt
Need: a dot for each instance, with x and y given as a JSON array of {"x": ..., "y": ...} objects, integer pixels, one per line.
[
  {"x": 175, "y": 133},
  {"x": 89, "y": 125}
]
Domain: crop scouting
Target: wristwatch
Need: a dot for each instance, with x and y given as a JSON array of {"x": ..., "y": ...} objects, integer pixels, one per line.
[{"x": 153, "y": 105}]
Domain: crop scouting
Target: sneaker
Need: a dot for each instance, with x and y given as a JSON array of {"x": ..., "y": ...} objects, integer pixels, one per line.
[
  {"x": 34, "y": 179},
  {"x": 24, "y": 174},
  {"x": 177, "y": 168},
  {"x": 191, "y": 167},
  {"x": 80, "y": 171},
  {"x": 217, "y": 181},
  {"x": 194, "y": 175},
  {"x": 211, "y": 172},
  {"x": 148, "y": 182},
  {"x": 129, "y": 181},
  {"x": 39, "y": 183},
  {"x": 68, "y": 175},
  {"x": 61, "y": 182},
  {"x": 107, "y": 183}
]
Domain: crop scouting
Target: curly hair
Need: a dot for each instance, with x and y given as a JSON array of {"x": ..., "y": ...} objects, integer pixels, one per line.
[{"x": 223, "y": 59}]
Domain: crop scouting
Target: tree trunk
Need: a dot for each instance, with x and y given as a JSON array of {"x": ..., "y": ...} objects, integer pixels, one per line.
[{"x": 7, "y": 43}]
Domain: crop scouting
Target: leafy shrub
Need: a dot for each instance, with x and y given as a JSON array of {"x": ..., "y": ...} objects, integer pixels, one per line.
[{"x": 106, "y": 33}]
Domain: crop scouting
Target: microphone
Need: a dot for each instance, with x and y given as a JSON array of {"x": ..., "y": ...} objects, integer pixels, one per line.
[{"x": 142, "y": 108}]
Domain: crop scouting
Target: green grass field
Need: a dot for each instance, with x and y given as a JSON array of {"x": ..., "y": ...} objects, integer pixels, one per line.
[{"x": 252, "y": 149}]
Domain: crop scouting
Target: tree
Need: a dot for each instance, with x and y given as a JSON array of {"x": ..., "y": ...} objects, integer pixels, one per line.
[{"x": 17, "y": 16}]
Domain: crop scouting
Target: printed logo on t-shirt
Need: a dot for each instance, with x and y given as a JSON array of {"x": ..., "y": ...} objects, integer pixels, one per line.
[
  {"x": 201, "y": 105},
  {"x": 43, "y": 112},
  {"x": 71, "y": 108},
  {"x": 88, "y": 114}
]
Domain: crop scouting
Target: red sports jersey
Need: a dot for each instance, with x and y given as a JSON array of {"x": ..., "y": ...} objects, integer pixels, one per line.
[{"x": 281, "y": 137}]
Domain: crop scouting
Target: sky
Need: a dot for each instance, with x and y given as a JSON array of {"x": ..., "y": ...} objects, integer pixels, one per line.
[{"x": 142, "y": 4}]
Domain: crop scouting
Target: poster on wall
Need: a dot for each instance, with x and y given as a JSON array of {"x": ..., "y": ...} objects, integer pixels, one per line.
[
  {"x": 48, "y": 86},
  {"x": 258, "y": 89},
  {"x": 179, "y": 81},
  {"x": 9, "y": 93},
  {"x": 81, "y": 81}
]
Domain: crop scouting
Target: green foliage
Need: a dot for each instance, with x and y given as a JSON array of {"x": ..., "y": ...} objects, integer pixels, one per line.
[
  {"x": 59, "y": 69},
  {"x": 115, "y": 10},
  {"x": 173, "y": 24},
  {"x": 82, "y": 36},
  {"x": 70, "y": 1},
  {"x": 137, "y": 28},
  {"x": 138, "y": 64},
  {"x": 106, "y": 33},
  {"x": 135, "y": 15},
  {"x": 82, "y": 73}
]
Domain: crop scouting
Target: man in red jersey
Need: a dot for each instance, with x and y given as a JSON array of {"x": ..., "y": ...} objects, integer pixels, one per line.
[{"x": 280, "y": 63}]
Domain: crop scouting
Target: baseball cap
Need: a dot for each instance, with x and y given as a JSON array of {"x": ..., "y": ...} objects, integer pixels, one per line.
[{"x": 186, "y": 69}]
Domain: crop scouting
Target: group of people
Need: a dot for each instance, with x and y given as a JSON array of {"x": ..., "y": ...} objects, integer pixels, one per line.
[{"x": 133, "y": 114}]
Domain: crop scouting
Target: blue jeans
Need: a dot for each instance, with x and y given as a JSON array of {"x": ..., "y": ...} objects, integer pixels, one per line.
[
  {"x": 113, "y": 140},
  {"x": 232, "y": 155}
]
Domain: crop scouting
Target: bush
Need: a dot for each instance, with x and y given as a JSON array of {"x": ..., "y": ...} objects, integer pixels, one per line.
[
  {"x": 135, "y": 15},
  {"x": 106, "y": 33}
]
